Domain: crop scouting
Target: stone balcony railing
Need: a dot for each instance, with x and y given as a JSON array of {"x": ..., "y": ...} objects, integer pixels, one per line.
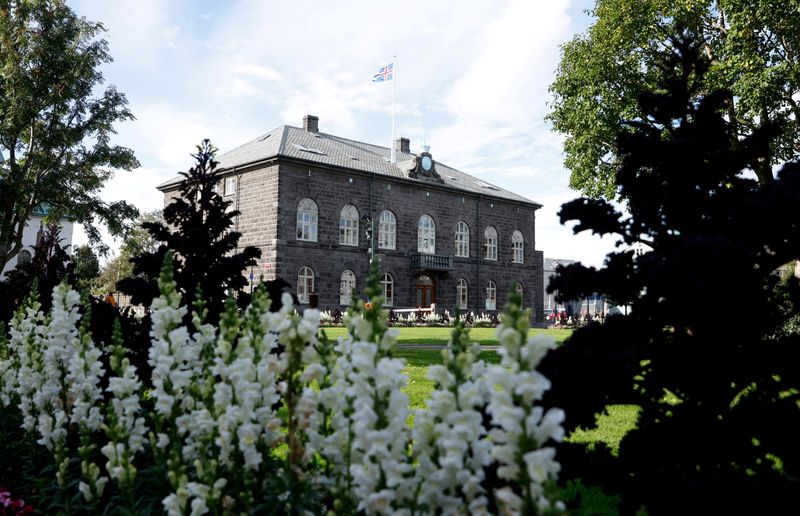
[{"x": 431, "y": 262}]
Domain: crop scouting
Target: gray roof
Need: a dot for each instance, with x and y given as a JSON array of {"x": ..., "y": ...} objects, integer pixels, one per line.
[{"x": 328, "y": 149}]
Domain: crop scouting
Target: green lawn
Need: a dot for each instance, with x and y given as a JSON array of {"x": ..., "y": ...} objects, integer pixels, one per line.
[
  {"x": 441, "y": 335},
  {"x": 610, "y": 429}
]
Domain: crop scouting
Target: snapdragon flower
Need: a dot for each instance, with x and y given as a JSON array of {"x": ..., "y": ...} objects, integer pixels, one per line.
[{"x": 521, "y": 429}]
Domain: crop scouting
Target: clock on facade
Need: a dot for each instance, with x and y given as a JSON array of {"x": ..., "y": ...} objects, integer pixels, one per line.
[{"x": 427, "y": 163}]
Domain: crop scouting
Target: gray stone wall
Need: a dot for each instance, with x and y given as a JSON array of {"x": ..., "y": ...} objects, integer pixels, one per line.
[{"x": 267, "y": 198}]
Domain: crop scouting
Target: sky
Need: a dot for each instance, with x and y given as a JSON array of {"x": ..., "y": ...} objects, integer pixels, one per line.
[{"x": 472, "y": 82}]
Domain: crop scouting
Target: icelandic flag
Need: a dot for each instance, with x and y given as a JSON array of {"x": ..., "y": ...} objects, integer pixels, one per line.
[{"x": 385, "y": 74}]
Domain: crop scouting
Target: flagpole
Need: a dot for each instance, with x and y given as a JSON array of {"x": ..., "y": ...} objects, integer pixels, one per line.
[{"x": 393, "y": 158}]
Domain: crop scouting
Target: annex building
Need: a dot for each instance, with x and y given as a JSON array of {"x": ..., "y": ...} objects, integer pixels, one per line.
[{"x": 309, "y": 199}]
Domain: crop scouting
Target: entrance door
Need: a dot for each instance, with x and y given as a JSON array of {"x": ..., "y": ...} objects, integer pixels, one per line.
[{"x": 424, "y": 292}]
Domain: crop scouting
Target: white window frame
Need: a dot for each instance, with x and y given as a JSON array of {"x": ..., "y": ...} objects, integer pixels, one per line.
[
  {"x": 230, "y": 186},
  {"x": 348, "y": 225},
  {"x": 426, "y": 235},
  {"x": 387, "y": 284},
  {"x": 518, "y": 247},
  {"x": 462, "y": 294},
  {"x": 462, "y": 239},
  {"x": 307, "y": 220},
  {"x": 347, "y": 285},
  {"x": 519, "y": 290},
  {"x": 305, "y": 283},
  {"x": 387, "y": 230},
  {"x": 490, "y": 243},
  {"x": 491, "y": 295}
]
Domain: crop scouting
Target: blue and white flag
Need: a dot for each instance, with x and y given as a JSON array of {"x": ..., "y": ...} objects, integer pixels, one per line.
[{"x": 385, "y": 74}]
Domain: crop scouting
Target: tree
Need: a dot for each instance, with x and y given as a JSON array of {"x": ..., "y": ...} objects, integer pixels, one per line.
[
  {"x": 136, "y": 241},
  {"x": 701, "y": 352},
  {"x": 48, "y": 267},
  {"x": 197, "y": 229},
  {"x": 54, "y": 132},
  {"x": 87, "y": 268},
  {"x": 752, "y": 47}
]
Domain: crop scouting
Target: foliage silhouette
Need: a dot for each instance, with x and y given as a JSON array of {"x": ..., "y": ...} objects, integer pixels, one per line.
[
  {"x": 48, "y": 267},
  {"x": 704, "y": 317},
  {"x": 197, "y": 228}
]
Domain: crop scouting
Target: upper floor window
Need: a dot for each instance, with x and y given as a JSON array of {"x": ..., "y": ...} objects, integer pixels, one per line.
[
  {"x": 387, "y": 229},
  {"x": 387, "y": 283},
  {"x": 348, "y": 225},
  {"x": 490, "y": 243},
  {"x": 462, "y": 239},
  {"x": 305, "y": 284},
  {"x": 461, "y": 294},
  {"x": 230, "y": 186},
  {"x": 491, "y": 296},
  {"x": 307, "y": 220},
  {"x": 426, "y": 235},
  {"x": 347, "y": 286},
  {"x": 518, "y": 246}
]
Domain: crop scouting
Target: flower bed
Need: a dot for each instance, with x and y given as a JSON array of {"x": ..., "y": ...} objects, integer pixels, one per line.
[{"x": 258, "y": 414}]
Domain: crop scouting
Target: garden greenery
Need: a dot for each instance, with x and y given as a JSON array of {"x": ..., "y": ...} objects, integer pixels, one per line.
[{"x": 258, "y": 414}]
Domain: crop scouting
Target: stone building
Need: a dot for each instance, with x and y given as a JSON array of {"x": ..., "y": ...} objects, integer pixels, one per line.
[{"x": 309, "y": 200}]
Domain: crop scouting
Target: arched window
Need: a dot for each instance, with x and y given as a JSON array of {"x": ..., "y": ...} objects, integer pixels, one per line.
[
  {"x": 305, "y": 284},
  {"x": 426, "y": 235},
  {"x": 348, "y": 225},
  {"x": 462, "y": 239},
  {"x": 461, "y": 294},
  {"x": 518, "y": 290},
  {"x": 518, "y": 246},
  {"x": 490, "y": 243},
  {"x": 347, "y": 286},
  {"x": 387, "y": 229},
  {"x": 307, "y": 220},
  {"x": 387, "y": 283},
  {"x": 23, "y": 257},
  {"x": 491, "y": 296}
]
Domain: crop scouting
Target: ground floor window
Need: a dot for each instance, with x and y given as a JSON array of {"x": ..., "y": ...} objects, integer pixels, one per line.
[
  {"x": 518, "y": 290},
  {"x": 305, "y": 284},
  {"x": 461, "y": 294},
  {"x": 387, "y": 283},
  {"x": 347, "y": 286},
  {"x": 491, "y": 296}
]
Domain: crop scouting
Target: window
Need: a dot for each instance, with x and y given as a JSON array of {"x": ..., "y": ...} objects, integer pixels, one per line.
[
  {"x": 305, "y": 284},
  {"x": 462, "y": 239},
  {"x": 307, "y": 220},
  {"x": 387, "y": 229},
  {"x": 490, "y": 243},
  {"x": 426, "y": 235},
  {"x": 518, "y": 246},
  {"x": 518, "y": 290},
  {"x": 230, "y": 186},
  {"x": 491, "y": 296},
  {"x": 348, "y": 225},
  {"x": 461, "y": 294},
  {"x": 387, "y": 283},
  {"x": 23, "y": 257},
  {"x": 347, "y": 286}
]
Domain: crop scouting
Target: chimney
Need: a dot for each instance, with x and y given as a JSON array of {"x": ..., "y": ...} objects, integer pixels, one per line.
[
  {"x": 402, "y": 145},
  {"x": 311, "y": 123}
]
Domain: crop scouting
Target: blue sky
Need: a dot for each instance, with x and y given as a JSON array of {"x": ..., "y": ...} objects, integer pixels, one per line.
[{"x": 472, "y": 81}]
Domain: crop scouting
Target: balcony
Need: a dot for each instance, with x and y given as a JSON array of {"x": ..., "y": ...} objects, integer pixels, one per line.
[{"x": 430, "y": 262}]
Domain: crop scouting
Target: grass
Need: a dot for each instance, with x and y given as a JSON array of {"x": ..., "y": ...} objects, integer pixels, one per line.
[
  {"x": 610, "y": 427},
  {"x": 441, "y": 335}
]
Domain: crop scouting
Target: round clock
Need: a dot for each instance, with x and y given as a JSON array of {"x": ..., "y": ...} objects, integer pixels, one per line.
[{"x": 427, "y": 163}]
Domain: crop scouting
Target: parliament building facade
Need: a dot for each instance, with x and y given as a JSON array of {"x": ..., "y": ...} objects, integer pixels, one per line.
[{"x": 308, "y": 200}]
